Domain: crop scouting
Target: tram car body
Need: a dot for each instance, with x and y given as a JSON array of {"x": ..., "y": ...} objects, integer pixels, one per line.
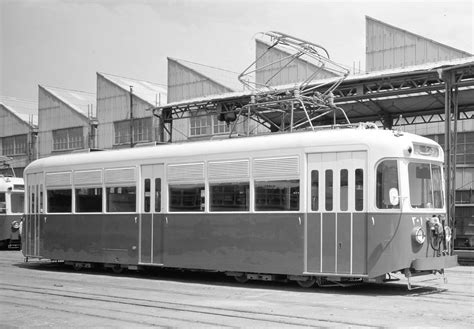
[
  {"x": 337, "y": 204},
  {"x": 11, "y": 211}
]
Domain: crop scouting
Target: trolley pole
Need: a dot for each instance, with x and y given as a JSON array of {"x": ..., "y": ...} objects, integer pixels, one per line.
[{"x": 131, "y": 116}]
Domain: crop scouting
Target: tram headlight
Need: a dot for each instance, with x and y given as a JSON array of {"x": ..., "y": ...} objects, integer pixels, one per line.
[
  {"x": 15, "y": 225},
  {"x": 419, "y": 235}
]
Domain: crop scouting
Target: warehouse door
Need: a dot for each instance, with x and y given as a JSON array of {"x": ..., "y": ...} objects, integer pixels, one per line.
[{"x": 151, "y": 218}]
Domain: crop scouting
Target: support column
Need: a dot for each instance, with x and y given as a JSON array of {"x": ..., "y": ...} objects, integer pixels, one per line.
[{"x": 450, "y": 135}]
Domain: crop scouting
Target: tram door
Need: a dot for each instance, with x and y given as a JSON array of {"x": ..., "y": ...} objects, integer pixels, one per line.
[
  {"x": 32, "y": 226},
  {"x": 151, "y": 219},
  {"x": 335, "y": 239}
]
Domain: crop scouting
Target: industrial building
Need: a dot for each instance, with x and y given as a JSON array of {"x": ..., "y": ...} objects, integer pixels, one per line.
[
  {"x": 188, "y": 80},
  {"x": 124, "y": 105},
  {"x": 388, "y": 47},
  {"x": 18, "y": 135},
  {"x": 66, "y": 121}
]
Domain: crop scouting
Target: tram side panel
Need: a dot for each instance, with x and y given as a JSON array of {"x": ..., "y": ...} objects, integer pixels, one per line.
[
  {"x": 92, "y": 238},
  {"x": 262, "y": 243}
]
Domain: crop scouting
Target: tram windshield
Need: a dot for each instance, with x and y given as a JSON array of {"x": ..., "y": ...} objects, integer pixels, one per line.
[
  {"x": 17, "y": 202},
  {"x": 426, "y": 185}
]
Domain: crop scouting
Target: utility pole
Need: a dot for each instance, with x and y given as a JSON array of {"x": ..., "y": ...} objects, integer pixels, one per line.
[{"x": 131, "y": 116}]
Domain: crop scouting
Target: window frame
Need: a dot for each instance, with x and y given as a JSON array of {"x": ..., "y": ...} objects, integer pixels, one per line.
[{"x": 399, "y": 181}]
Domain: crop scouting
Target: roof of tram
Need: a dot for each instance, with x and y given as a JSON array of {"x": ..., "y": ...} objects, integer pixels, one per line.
[{"x": 407, "y": 95}]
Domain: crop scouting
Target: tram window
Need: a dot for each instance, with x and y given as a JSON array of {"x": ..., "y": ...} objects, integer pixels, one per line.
[
  {"x": 147, "y": 195},
  {"x": 359, "y": 190},
  {"x": 277, "y": 195},
  {"x": 329, "y": 191},
  {"x": 344, "y": 189},
  {"x": 17, "y": 202},
  {"x": 89, "y": 199},
  {"x": 157, "y": 194},
  {"x": 387, "y": 178},
  {"x": 187, "y": 197},
  {"x": 314, "y": 190},
  {"x": 121, "y": 199},
  {"x": 41, "y": 199},
  {"x": 229, "y": 197},
  {"x": 3, "y": 204},
  {"x": 425, "y": 185},
  {"x": 59, "y": 201}
]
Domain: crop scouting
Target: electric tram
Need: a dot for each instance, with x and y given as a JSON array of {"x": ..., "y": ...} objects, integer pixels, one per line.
[
  {"x": 340, "y": 205},
  {"x": 11, "y": 211}
]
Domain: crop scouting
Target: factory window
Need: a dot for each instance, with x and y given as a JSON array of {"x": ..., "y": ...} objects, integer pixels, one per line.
[
  {"x": 68, "y": 139},
  {"x": 207, "y": 125},
  {"x": 142, "y": 130},
  {"x": 14, "y": 145}
]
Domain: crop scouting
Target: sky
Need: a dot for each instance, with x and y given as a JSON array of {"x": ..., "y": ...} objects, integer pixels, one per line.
[{"x": 63, "y": 43}]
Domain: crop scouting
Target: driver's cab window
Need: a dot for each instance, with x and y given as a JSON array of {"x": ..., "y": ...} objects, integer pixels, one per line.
[{"x": 387, "y": 189}]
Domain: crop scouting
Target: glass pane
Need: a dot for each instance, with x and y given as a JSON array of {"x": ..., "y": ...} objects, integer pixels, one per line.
[
  {"x": 121, "y": 199},
  {"x": 387, "y": 178},
  {"x": 17, "y": 201},
  {"x": 438, "y": 196},
  {"x": 59, "y": 201},
  {"x": 329, "y": 185},
  {"x": 230, "y": 197},
  {"x": 157, "y": 194},
  {"x": 359, "y": 190},
  {"x": 277, "y": 195},
  {"x": 344, "y": 192},
  {"x": 314, "y": 190},
  {"x": 3, "y": 204},
  {"x": 147, "y": 195},
  {"x": 420, "y": 185},
  {"x": 89, "y": 199},
  {"x": 187, "y": 198}
]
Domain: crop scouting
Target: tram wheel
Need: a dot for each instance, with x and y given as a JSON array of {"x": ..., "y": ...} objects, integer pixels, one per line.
[
  {"x": 307, "y": 283},
  {"x": 117, "y": 269},
  {"x": 241, "y": 278}
]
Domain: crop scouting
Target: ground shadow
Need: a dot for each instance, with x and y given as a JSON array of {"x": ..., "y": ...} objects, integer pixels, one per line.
[{"x": 398, "y": 288}]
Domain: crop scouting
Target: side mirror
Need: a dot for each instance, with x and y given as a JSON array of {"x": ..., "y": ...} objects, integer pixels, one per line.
[{"x": 394, "y": 196}]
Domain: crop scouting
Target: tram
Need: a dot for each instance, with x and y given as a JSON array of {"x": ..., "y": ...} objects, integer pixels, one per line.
[
  {"x": 334, "y": 206},
  {"x": 11, "y": 211}
]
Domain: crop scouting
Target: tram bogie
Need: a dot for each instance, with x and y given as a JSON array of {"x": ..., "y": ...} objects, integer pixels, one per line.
[
  {"x": 11, "y": 211},
  {"x": 334, "y": 206}
]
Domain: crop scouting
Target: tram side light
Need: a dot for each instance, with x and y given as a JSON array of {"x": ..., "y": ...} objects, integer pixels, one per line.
[{"x": 419, "y": 235}]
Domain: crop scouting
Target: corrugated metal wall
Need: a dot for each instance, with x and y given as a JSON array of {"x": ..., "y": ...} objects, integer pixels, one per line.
[
  {"x": 54, "y": 114},
  {"x": 390, "y": 47},
  {"x": 297, "y": 71},
  {"x": 184, "y": 83},
  {"x": 113, "y": 104}
]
